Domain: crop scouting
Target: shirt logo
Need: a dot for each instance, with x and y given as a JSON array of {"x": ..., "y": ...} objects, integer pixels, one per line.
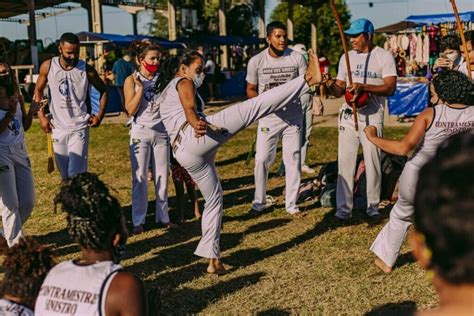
[{"x": 64, "y": 88}]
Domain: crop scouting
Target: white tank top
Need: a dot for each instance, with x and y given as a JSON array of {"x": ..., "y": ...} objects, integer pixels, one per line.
[
  {"x": 447, "y": 121},
  {"x": 68, "y": 91},
  {"x": 71, "y": 289},
  {"x": 14, "y": 133},
  {"x": 171, "y": 110},
  {"x": 9, "y": 308},
  {"x": 148, "y": 113}
]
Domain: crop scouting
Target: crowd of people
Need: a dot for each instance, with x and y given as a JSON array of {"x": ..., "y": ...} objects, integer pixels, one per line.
[{"x": 170, "y": 129}]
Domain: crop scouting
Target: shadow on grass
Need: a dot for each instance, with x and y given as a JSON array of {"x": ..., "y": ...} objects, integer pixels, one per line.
[
  {"x": 394, "y": 309},
  {"x": 240, "y": 157},
  {"x": 273, "y": 312},
  {"x": 192, "y": 301},
  {"x": 181, "y": 255},
  {"x": 250, "y": 256}
]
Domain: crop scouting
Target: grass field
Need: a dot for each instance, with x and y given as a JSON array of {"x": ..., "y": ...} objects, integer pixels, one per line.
[{"x": 277, "y": 265}]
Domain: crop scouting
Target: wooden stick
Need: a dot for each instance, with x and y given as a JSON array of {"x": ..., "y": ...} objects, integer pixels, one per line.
[
  {"x": 346, "y": 56},
  {"x": 463, "y": 39},
  {"x": 50, "y": 153}
]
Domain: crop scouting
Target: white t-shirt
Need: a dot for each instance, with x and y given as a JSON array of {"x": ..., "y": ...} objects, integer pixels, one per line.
[
  {"x": 447, "y": 121},
  {"x": 72, "y": 289},
  {"x": 9, "y": 308},
  {"x": 14, "y": 133},
  {"x": 68, "y": 91},
  {"x": 209, "y": 67},
  {"x": 381, "y": 65},
  {"x": 148, "y": 113},
  {"x": 171, "y": 109},
  {"x": 268, "y": 72}
]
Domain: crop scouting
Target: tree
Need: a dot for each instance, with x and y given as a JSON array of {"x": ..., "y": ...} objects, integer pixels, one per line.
[
  {"x": 329, "y": 43},
  {"x": 241, "y": 18}
]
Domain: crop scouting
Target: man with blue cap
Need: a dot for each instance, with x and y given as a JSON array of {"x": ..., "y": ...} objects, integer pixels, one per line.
[{"x": 374, "y": 74}]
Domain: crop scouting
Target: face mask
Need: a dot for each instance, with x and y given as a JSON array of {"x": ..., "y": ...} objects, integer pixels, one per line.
[
  {"x": 150, "y": 68},
  {"x": 198, "y": 80},
  {"x": 70, "y": 61},
  {"x": 452, "y": 56}
]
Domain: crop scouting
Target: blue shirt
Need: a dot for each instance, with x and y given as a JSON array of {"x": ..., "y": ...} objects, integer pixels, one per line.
[{"x": 122, "y": 69}]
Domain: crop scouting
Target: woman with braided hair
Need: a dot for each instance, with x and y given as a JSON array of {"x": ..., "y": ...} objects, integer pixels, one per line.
[
  {"x": 26, "y": 265},
  {"x": 196, "y": 137},
  {"x": 100, "y": 286},
  {"x": 453, "y": 113}
]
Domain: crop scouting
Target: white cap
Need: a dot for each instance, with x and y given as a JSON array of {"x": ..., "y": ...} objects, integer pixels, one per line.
[{"x": 300, "y": 48}]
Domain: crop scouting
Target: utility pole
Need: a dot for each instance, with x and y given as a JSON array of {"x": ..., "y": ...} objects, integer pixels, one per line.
[
  {"x": 96, "y": 14},
  {"x": 223, "y": 32},
  {"x": 32, "y": 34},
  {"x": 261, "y": 20},
  {"x": 289, "y": 22}
]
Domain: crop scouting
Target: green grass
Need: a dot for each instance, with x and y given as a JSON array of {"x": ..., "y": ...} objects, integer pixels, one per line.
[{"x": 277, "y": 265}]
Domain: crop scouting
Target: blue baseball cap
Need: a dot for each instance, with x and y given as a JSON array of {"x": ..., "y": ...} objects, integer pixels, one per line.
[{"x": 360, "y": 26}]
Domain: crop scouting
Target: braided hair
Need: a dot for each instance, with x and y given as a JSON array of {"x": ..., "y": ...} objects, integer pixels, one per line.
[
  {"x": 170, "y": 67},
  {"x": 26, "y": 265},
  {"x": 454, "y": 87},
  {"x": 93, "y": 215}
]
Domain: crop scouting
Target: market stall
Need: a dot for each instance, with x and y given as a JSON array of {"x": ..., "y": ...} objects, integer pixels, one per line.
[{"x": 415, "y": 44}]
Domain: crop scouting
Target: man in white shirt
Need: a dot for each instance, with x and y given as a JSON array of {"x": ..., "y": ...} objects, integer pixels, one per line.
[
  {"x": 272, "y": 67},
  {"x": 373, "y": 72}
]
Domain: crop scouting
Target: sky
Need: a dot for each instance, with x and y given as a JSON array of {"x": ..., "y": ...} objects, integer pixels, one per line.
[{"x": 116, "y": 21}]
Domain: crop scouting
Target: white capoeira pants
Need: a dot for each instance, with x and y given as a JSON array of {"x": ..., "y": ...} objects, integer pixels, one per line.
[
  {"x": 348, "y": 146},
  {"x": 146, "y": 143},
  {"x": 71, "y": 151},
  {"x": 307, "y": 103},
  {"x": 17, "y": 193},
  {"x": 390, "y": 239},
  {"x": 269, "y": 131},
  {"x": 197, "y": 155}
]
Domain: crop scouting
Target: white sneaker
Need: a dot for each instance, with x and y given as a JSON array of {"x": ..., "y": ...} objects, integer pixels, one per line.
[{"x": 307, "y": 169}]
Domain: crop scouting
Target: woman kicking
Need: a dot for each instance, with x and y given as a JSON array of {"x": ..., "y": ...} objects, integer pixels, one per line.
[{"x": 196, "y": 137}]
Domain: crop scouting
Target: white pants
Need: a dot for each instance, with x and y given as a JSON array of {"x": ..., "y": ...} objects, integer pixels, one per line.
[
  {"x": 348, "y": 145},
  {"x": 270, "y": 129},
  {"x": 146, "y": 143},
  {"x": 197, "y": 155},
  {"x": 390, "y": 239},
  {"x": 71, "y": 151},
  {"x": 17, "y": 194},
  {"x": 307, "y": 103}
]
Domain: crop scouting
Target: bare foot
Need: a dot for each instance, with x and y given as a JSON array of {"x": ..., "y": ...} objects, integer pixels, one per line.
[
  {"x": 382, "y": 266},
  {"x": 313, "y": 72},
  {"x": 298, "y": 215},
  {"x": 216, "y": 267}
]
